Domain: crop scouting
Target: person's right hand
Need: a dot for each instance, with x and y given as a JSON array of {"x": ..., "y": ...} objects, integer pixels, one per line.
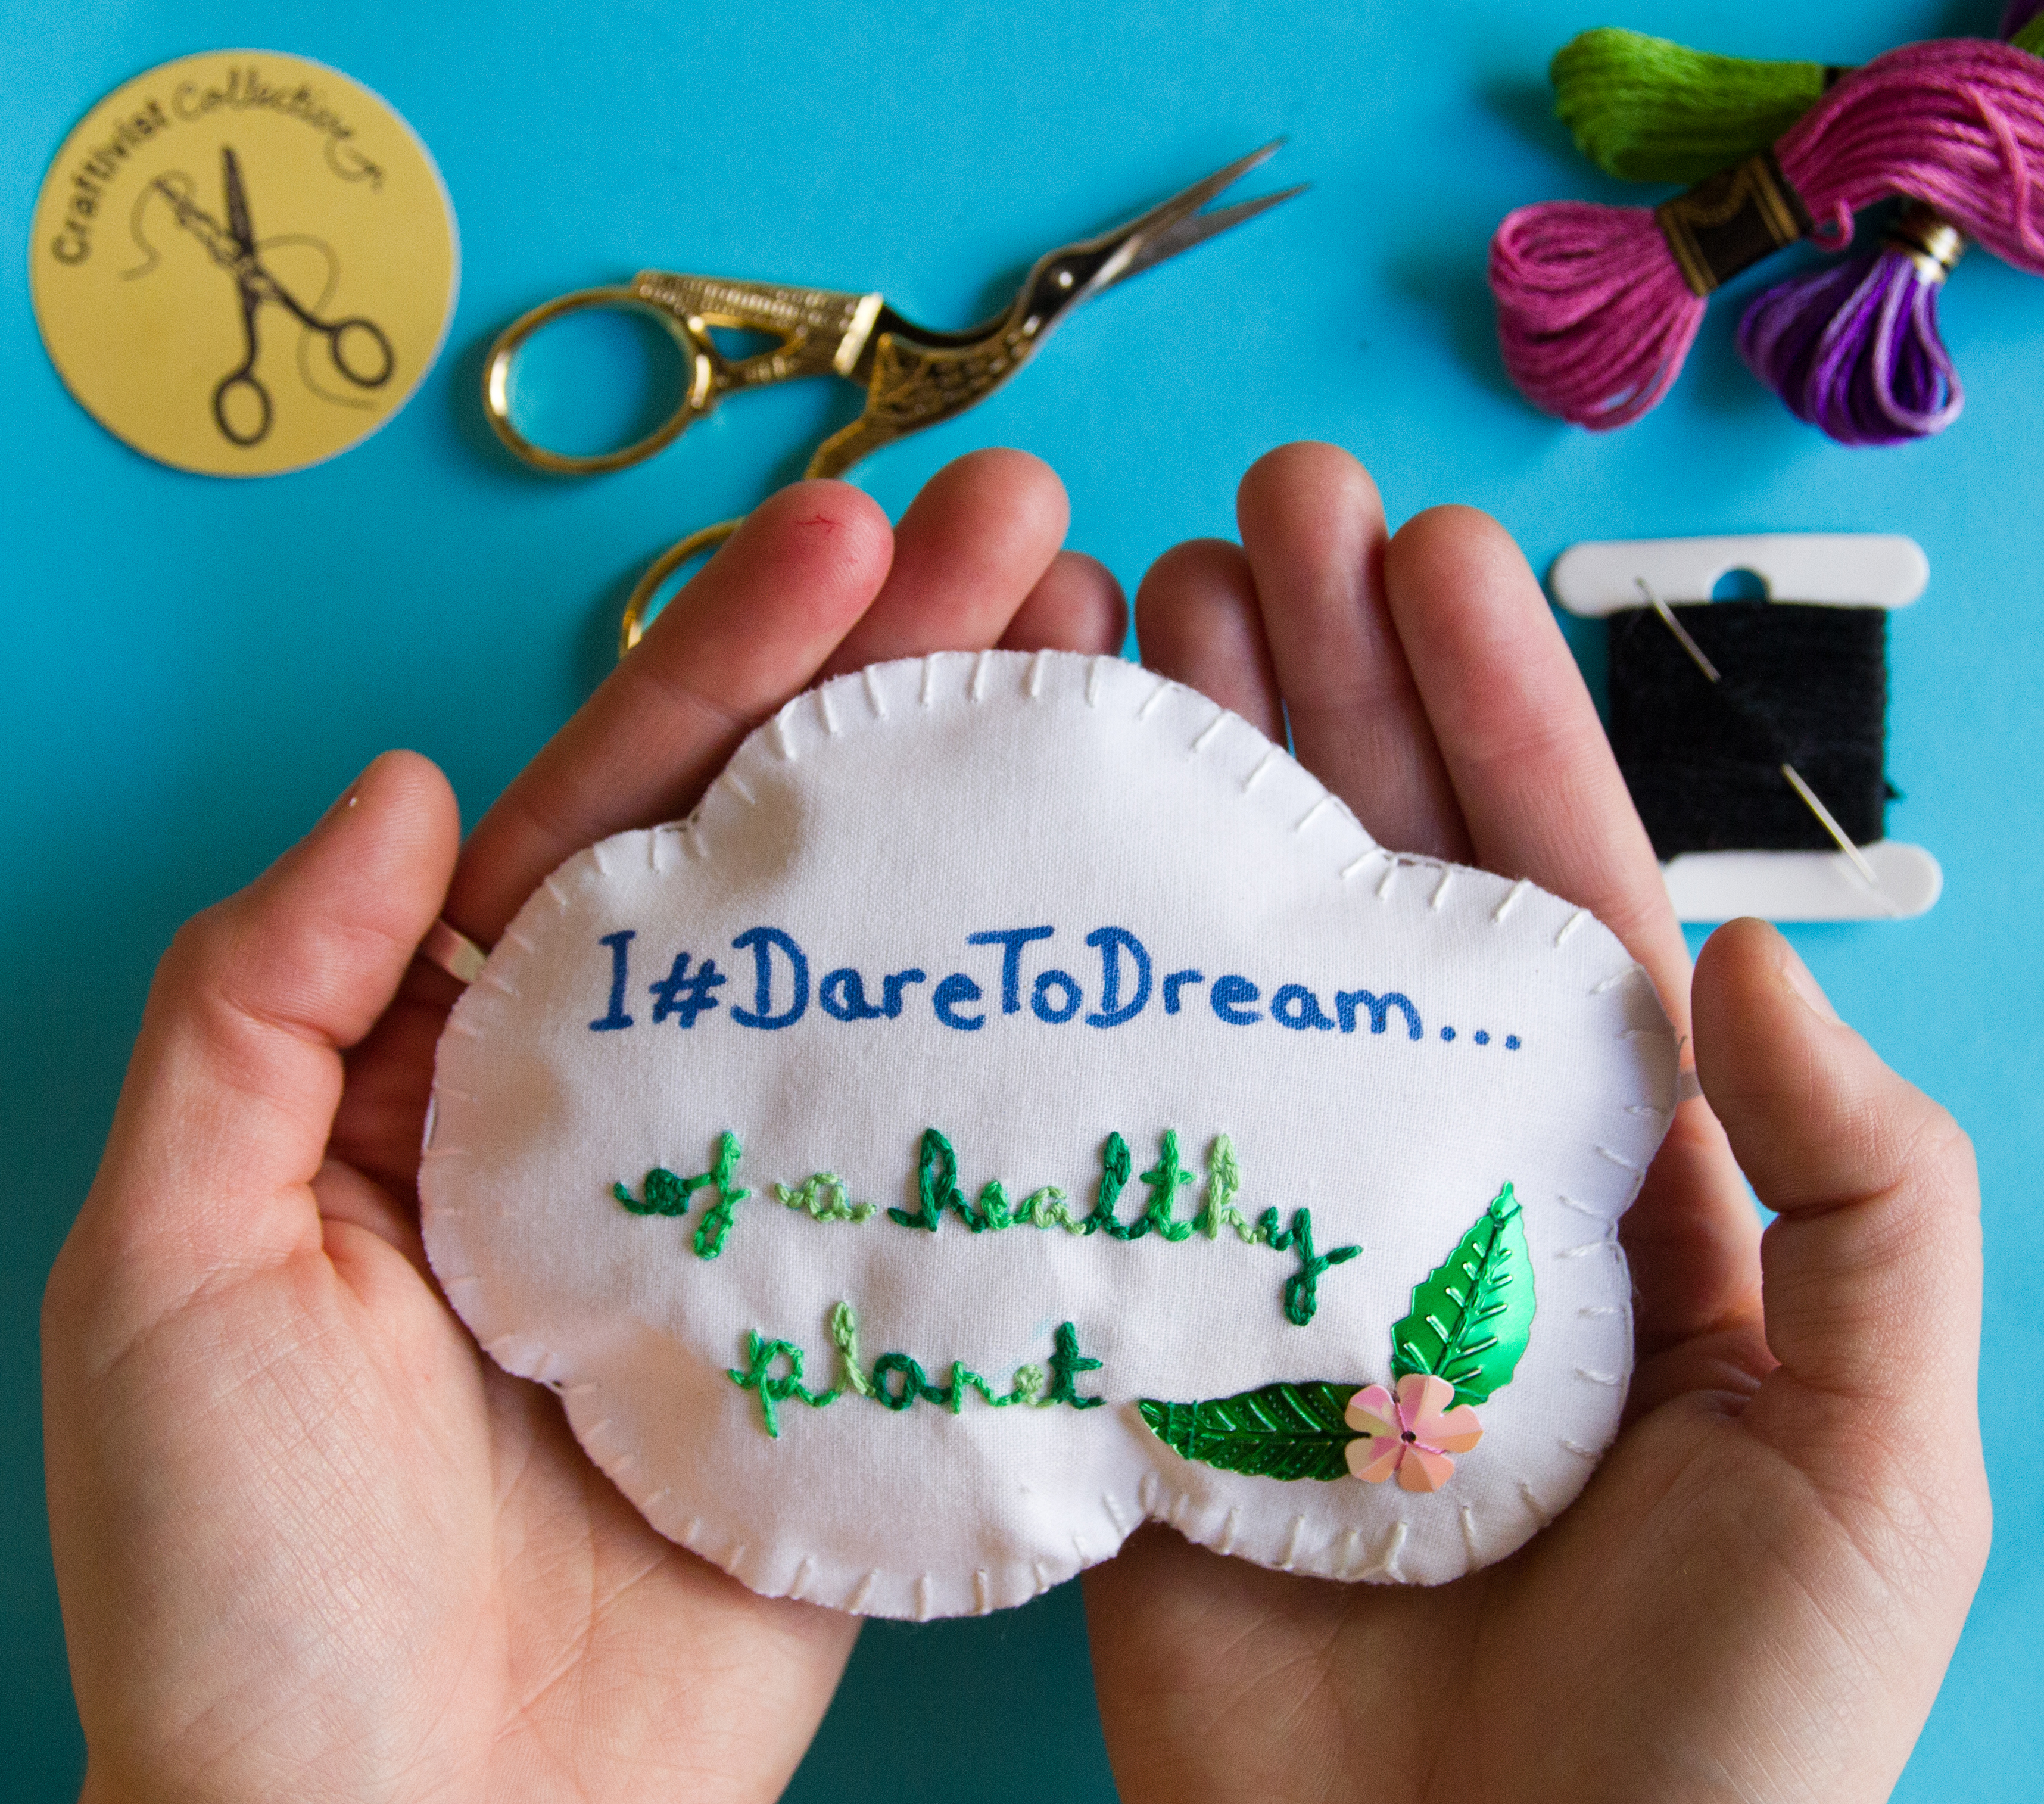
[
  {"x": 1756, "y": 1595},
  {"x": 311, "y": 1543}
]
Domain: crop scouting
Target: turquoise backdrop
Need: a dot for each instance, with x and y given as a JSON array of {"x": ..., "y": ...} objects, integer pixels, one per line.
[{"x": 192, "y": 669}]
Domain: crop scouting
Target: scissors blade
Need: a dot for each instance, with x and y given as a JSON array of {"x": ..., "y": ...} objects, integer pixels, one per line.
[
  {"x": 1194, "y": 230},
  {"x": 1176, "y": 224}
]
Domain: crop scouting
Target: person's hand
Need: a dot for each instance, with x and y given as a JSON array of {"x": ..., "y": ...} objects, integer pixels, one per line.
[
  {"x": 311, "y": 1544},
  {"x": 1757, "y": 1594}
]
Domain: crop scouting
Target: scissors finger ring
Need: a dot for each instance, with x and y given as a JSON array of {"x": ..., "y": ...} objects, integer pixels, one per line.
[
  {"x": 504, "y": 354},
  {"x": 633, "y": 626}
]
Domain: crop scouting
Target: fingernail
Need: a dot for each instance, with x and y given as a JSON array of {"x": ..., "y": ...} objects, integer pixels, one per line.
[{"x": 1804, "y": 986}]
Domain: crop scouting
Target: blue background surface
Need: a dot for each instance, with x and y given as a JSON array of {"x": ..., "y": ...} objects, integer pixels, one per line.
[{"x": 192, "y": 669}]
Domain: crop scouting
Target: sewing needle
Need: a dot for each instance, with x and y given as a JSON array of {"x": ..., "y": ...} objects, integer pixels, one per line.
[{"x": 1825, "y": 817}]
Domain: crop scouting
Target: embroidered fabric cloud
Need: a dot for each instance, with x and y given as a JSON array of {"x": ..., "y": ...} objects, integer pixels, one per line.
[{"x": 1021, "y": 1101}]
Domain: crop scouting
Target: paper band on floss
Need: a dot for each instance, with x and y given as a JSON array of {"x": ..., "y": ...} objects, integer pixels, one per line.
[{"x": 1728, "y": 222}]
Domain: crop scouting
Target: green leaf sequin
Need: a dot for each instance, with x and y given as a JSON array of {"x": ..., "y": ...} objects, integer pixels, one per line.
[
  {"x": 1472, "y": 1316},
  {"x": 1282, "y": 1430}
]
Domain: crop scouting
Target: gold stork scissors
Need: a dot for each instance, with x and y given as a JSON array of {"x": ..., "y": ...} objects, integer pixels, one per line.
[{"x": 913, "y": 377}]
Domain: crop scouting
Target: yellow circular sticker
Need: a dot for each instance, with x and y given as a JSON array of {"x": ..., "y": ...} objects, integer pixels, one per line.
[{"x": 242, "y": 262}]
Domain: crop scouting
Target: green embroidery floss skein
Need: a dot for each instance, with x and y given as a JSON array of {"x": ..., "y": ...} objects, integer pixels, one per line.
[
  {"x": 1851, "y": 348},
  {"x": 1645, "y": 109}
]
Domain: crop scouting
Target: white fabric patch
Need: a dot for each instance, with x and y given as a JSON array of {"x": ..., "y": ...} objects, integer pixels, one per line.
[{"x": 1384, "y": 1041}]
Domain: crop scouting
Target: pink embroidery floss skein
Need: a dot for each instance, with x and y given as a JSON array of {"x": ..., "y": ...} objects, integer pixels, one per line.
[
  {"x": 1854, "y": 350},
  {"x": 1597, "y": 306}
]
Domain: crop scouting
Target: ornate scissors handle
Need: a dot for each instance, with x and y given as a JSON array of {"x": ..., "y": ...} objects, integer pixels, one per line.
[
  {"x": 913, "y": 378},
  {"x": 821, "y": 331}
]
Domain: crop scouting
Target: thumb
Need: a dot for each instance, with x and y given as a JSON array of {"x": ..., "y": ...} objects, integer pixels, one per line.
[
  {"x": 1872, "y": 1274},
  {"x": 223, "y": 1118}
]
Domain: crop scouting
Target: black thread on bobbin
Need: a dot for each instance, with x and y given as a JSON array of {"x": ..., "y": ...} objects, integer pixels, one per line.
[{"x": 1800, "y": 685}]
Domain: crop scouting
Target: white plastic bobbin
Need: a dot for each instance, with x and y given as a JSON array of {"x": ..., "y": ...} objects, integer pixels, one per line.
[{"x": 1600, "y": 578}]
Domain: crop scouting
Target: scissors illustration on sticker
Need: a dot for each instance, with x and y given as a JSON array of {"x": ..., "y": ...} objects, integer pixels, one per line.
[
  {"x": 357, "y": 346},
  {"x": 913, "y": 377}
]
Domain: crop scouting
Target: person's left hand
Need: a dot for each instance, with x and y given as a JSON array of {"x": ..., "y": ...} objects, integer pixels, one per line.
[
  {"x": 310, "y": 1542},
  {"x": 1757, "y": 1592}
]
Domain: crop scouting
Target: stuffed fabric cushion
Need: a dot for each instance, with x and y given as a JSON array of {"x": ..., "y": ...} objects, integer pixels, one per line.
[{"x": 1020, "y": 1102}]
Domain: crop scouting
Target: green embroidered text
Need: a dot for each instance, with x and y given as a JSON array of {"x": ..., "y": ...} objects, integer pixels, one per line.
[
  {"x": 826, "y": 1197},
  {"x": 667, "y": 1195},
  {"x": 773, "y": 1391},
  {"x": 898, "y": 1382}
]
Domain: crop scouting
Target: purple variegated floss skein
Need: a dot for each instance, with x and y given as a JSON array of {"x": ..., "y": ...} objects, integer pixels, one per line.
[{"x": 1855, "y": 349}]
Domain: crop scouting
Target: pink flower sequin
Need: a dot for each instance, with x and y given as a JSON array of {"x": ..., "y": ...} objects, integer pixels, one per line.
[{"x": 1412, "y": 1434}]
